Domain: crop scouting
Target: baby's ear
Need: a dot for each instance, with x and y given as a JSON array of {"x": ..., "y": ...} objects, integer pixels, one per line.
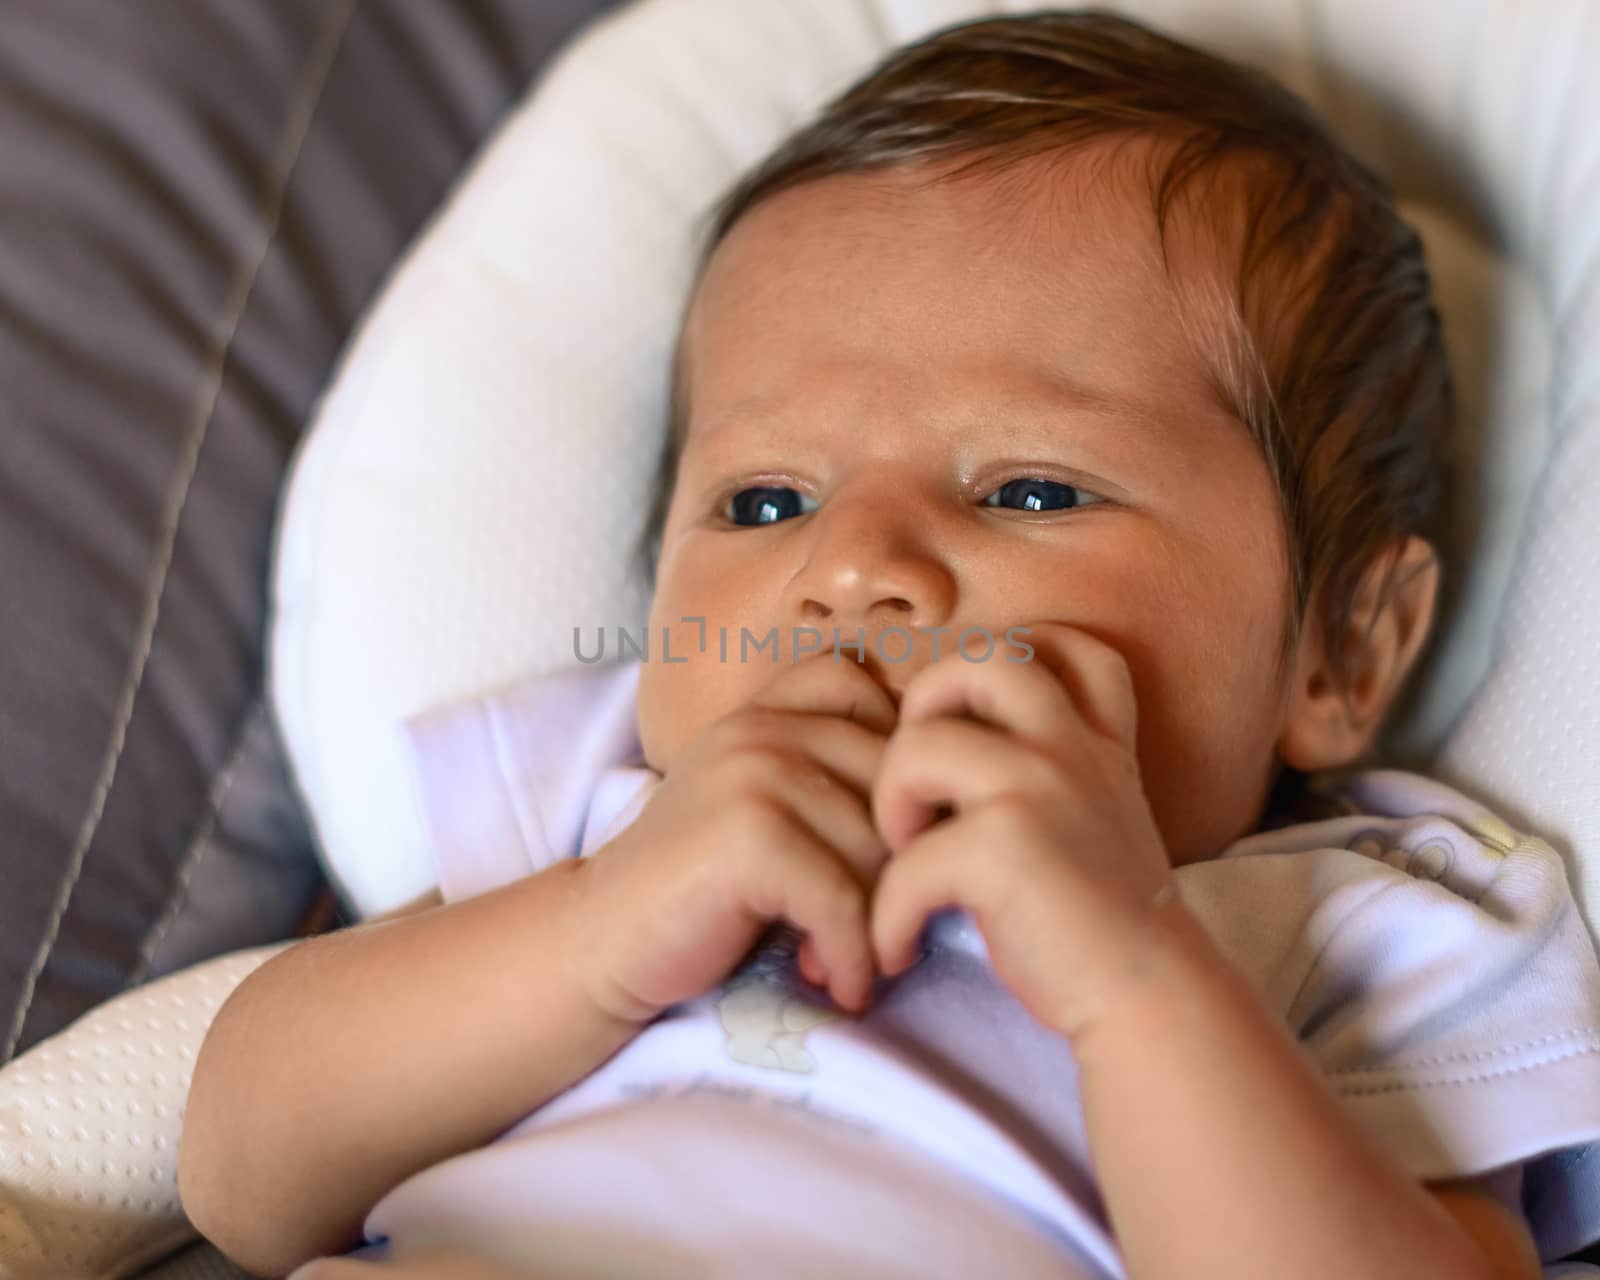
[{"x": 1329, "y": 722}]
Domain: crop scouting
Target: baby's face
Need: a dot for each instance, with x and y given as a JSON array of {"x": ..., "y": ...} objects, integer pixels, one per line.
[{"x": 964, "y": 407}]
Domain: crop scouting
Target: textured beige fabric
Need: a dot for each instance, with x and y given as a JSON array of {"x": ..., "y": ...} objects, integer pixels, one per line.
[{"x": 89, "y": 1127}]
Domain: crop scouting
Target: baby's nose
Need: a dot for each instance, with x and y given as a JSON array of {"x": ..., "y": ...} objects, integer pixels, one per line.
[{"x": 873, "y": 564}]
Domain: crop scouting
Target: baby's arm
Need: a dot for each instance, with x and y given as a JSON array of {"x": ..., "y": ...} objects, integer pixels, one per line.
[
  {"x": 1209, "y": 1127},
  {"x": 1219, "y": 1147},
  {"x": 353, "y": 1060}
]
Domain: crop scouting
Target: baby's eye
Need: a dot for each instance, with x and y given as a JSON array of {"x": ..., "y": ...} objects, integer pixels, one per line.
[
  {"x": 767, "y": 504},
  {"x": 1029, "y": 493}
]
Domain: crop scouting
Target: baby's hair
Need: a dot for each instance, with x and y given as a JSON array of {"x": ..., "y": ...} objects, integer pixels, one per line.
[{"x": 1329, "y": 350}]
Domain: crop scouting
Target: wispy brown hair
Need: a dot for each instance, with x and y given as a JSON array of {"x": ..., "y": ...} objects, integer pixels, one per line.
[{"x": 1334, "y": 359}]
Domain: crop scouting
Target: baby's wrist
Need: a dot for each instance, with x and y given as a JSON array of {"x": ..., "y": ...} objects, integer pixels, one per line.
[
  {"x": 1168, "y": 950},
  {"x": 587, "y": 956}
]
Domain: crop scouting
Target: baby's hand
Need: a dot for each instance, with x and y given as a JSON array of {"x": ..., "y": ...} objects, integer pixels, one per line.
[
  {"x": 1051, "y": 847},
  {"x": 764, "y": 817}
]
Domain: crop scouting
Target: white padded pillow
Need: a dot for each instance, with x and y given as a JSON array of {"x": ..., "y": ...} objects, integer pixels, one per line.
[{"x": 443, "y": 529}]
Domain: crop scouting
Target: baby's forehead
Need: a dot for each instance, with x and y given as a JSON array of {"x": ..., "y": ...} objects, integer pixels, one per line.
[
  {"x": 916, "y": 269},
  {"x": 1030, "y": 203}
]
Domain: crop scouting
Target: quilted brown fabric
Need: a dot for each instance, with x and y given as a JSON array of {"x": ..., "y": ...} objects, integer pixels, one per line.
[{"x": 197, "y": 198}]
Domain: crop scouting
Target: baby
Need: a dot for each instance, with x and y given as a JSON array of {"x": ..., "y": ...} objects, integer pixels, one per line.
[{"x": 1050, "y": 514}]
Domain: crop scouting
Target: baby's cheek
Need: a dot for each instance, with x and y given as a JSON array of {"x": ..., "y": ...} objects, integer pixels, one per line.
[
  {"x": 1225, "y": 774},
  {"x": 1205, "y": 742},
  {"x": 660, "y": 721},
  {"x": 678, "y": 701}
]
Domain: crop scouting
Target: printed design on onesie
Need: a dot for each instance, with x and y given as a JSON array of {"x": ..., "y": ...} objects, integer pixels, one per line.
[
  {"x": 768, "y": 1008},
  {"x": 765, "y": 1009}
]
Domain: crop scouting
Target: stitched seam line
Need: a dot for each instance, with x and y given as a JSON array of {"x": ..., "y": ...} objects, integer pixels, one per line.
[
  {"x": 1480, "y": 1078},
  {"x": 198, "y": 845},
  {"x": 1574, "y": 1034},
  {"x": 304, "y": 107}
]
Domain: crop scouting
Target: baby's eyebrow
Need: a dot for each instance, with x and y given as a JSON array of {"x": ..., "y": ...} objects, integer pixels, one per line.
[
  {"x": 1040, "y": 408},
  {"x": 1055, "y": 391},
  {"x": 1053, "y": 400}
]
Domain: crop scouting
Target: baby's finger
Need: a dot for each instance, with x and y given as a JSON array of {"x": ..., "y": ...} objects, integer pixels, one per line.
[
  {"x": 976, "y": 862},
  {"x": 932, "y": 766},
  {"x": 830, "y": 684},
  {"x": 1027, "y": 698},
  {"x": 806, "y": 885},
  {"x": 837, "y": 814},
  {"x": 847, "y": 749},
  {"x": 810, "y": 967},
  {"x": 913, "y": 888},
  {"x": 1095, "y": 673}
]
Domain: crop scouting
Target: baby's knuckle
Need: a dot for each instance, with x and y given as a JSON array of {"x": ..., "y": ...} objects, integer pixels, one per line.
[
  {"x": 740, "y": 731},
  {"x": 1110, "y": 659},
  {"x": 757, "y": 817},
  {"x": 752, "y": 767}
]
